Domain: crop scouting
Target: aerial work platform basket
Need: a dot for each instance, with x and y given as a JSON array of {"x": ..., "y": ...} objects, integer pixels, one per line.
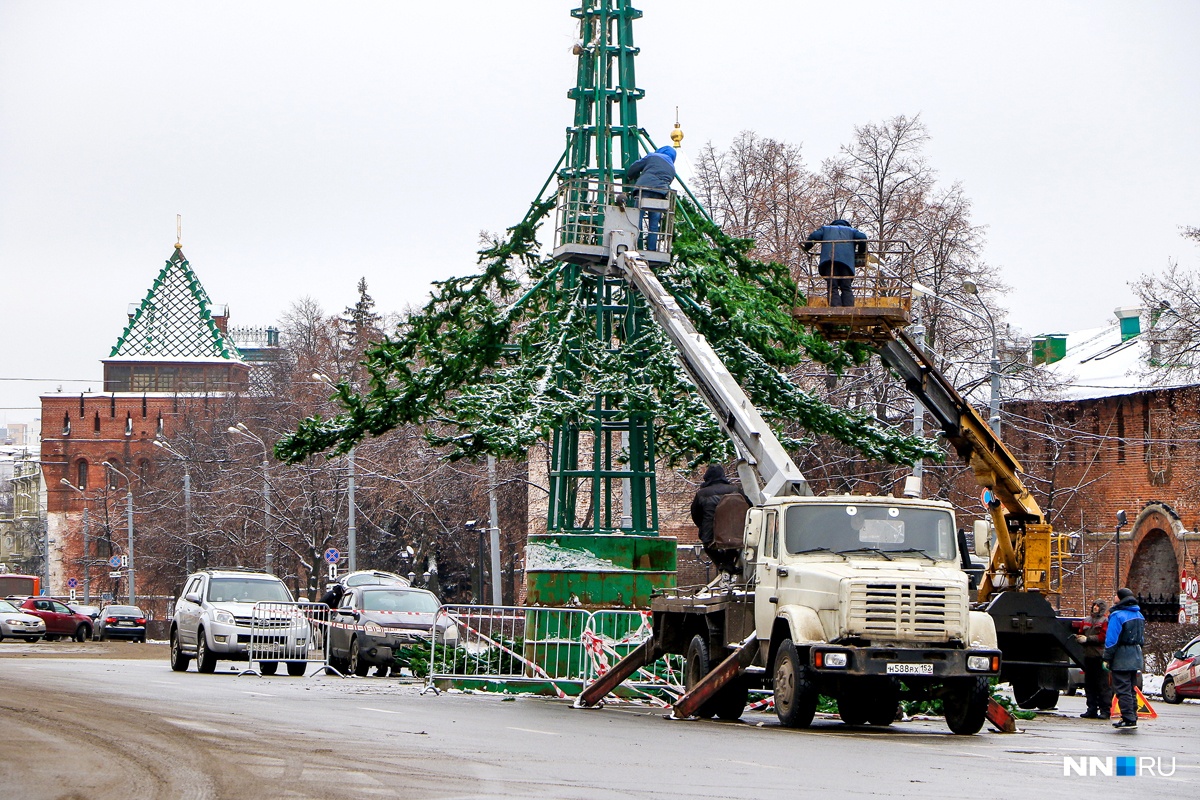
[
  {"x": 589, "y": 212},
  {"x": 882, "y": 287}
]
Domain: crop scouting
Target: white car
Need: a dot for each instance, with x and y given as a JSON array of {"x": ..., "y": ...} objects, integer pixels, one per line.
[
  {"x": 16, "y": 624},
  {"x": 218, "y": 616}
]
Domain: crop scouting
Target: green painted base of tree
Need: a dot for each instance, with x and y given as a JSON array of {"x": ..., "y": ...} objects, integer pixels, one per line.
[{"x": 641, "y": 565}]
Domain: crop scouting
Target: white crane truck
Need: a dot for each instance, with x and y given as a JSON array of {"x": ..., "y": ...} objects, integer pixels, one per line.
[{"x": 861, "y": 598}]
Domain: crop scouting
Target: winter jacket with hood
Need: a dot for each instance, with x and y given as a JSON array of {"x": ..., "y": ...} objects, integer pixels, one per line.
[
  {"x": 1126, "y": 630},
  {"x": 1094, "y": 628},
  {"x": 704, "y": 505},
  {"x": 653, "y": 171},
  {"x": 839, "y": 242}
]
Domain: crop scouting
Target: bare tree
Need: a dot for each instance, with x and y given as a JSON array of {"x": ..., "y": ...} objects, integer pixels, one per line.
[{"x": 1173, "y": 301}]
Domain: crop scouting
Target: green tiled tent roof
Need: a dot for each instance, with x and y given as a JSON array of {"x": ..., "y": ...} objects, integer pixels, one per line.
[{"x": 175, "y": 321}]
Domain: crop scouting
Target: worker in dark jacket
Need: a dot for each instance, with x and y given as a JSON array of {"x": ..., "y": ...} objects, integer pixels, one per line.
[
  {"x": 651, "y": 177},
  {"x": 704, "y": 508},
  {"x": 333, "y": 595},
  {"x": 1123, "y": 653},
  {"x": 841, "y": 243},
  {"x": 1092, "y": 631}
]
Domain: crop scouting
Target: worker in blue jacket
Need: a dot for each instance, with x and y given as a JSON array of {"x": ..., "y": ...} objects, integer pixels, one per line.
[
  {"x": 841, "y": 243},
  {"x": 651, "y": 177},
  {"x": 1123, "y": 653}
]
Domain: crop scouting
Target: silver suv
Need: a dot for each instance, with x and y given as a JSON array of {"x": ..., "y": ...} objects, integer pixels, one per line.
[{"x": 213, "y": 618}]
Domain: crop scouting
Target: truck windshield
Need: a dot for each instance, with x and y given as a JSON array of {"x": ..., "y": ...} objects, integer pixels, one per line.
[{"x": 862, "y": 528}]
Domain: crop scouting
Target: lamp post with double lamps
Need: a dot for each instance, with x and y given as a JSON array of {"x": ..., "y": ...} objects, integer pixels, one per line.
[
  {"x": 129, "y": 518},
  {"x": 242, "y": 430},
  {"x": 919, "y": 289},
  {"x": 187, "y": 501},
  {"x": 87, "y": 549}
]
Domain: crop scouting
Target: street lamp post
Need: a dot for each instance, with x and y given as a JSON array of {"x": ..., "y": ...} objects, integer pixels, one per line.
[
  {"x": 351, "y": 530},
  {"x": 242, "y": 430},
  {"x": 1122, "y": 519},
  {"x": 187, "y": 502},
  {"x": 129, "y": 518},
  {"x": 87, "y": 550},
  {"x": 919, "y": 289}
]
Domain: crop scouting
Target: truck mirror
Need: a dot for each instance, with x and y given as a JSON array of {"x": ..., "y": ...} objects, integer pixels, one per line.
[
  {"x": 983, "y": 540},
  {"x": 754, "y": 523}
]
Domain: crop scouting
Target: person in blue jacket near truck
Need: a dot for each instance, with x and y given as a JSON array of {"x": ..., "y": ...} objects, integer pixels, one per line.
[
  {"x": 1123, "y": 653},
  {"x": 651, "y": 177}
]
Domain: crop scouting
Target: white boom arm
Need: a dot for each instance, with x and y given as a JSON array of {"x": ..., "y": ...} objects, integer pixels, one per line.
[{"x": 765, "y": 468}]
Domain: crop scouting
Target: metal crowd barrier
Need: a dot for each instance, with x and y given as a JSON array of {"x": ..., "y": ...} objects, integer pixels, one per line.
[
  {"x": 562, "y": 648},
  {"x": 293, "y": 633}
]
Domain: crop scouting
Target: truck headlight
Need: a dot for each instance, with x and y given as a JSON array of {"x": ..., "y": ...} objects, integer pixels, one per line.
[
  {"x": 979, "y": 663},
  {"x": 828, "y": 660}
]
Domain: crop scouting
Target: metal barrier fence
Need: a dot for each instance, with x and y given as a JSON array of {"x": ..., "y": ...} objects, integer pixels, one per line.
[
  {"x": 296, "y": 634},
  {"x": 883, "y": 274},
  {"x": 588, "y": 210},
  {"x": 560, "y": 648}
]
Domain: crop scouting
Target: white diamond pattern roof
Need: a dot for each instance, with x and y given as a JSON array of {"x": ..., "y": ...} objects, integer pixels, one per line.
[{"x": 175, "y": 321}]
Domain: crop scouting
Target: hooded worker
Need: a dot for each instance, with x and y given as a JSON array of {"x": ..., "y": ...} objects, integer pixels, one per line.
[
  {"x": 650, "y": 177},
  {"x": 1092, "y": 630},
  {"x": 704, "y": 509},
  {"x": 841, "y": 243}
]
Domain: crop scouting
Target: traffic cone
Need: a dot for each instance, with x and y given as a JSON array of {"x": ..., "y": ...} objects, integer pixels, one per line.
[{"x": 1144, "y": 709}]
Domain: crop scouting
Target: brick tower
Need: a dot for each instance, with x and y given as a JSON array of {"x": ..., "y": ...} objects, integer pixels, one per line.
[{"x": 173, "y": 357}]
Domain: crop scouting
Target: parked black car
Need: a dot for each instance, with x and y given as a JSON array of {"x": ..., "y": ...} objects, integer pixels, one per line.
[{"x": 121, "y": 622}]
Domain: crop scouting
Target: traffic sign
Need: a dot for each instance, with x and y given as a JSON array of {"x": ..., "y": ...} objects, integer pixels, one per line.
[
  {"x": 333, "y": 572},
  {"x": 72, "y": 583},
  {"x": 116, "y": 574},
  {"x": 332, "y": 555},
  {"x": 115, "y": 562},
  {"x": 72, "y": 596}
]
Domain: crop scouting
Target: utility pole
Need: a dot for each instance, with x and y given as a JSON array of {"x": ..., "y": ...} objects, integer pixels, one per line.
[
  {"x": 494, "y": 530},
  {"x": 351, "y": 533}
]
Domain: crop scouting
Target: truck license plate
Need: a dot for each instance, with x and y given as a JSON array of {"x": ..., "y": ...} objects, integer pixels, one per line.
[{"x": 910, "y": 669}]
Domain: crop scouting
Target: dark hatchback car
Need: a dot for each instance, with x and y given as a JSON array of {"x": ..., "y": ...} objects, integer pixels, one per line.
[
  {"x": 121, "y": 622},
  {"x": 371, "y": 622}
]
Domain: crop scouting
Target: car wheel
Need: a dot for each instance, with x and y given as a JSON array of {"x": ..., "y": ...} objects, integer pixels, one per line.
[
  {"x": 268, "y": 667},
  {"x": 179, "y": 661},
  {"x": 795, "y": 693},
  {"x": 82, "y": 633},
  {"x": 966, "y": 703},
  {"x": 297, "y": 668},
  {"x": 1169, "y": 693},
  {"x": 357, "y": 665},
  {"x": 206, "y": 660}
]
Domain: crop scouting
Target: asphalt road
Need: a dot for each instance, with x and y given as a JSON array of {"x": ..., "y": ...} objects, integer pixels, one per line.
[{"x": 100, "y": 728}]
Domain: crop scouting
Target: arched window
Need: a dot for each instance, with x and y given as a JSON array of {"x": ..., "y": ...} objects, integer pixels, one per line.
[{"x": 81, "y": 474}]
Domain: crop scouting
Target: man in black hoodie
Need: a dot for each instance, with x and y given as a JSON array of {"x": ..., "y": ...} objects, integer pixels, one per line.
[{"x": 704, "y": 508}]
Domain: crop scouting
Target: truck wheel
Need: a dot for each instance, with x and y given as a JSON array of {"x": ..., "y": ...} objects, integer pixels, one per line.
[
  {"x": 694, "y": 670},
  {"x": 884, "y": 702},
  {"x": 851, "y": 707},
  {"x": 730, "y": 702},
  {"x": 1029, "y": 695},
  {"x": 795, "y": 693},
  {"x": 965, "y": 704}
]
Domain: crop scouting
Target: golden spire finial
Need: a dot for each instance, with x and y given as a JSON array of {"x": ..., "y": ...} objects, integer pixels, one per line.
[
  {"x": 179, "y": 231},
  {"x": 677, "y": 133}
]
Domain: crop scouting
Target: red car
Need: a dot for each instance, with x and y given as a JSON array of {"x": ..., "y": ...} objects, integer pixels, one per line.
[
  {"x": 1182, "y": 678},
  {"x": 60, "y": 620}
]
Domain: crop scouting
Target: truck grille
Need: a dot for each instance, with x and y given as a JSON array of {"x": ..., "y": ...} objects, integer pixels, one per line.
[{"x": 906, "y": 610}]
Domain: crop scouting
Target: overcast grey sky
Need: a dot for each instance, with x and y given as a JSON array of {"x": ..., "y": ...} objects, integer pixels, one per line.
[{"x": 309, "y": 144}]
